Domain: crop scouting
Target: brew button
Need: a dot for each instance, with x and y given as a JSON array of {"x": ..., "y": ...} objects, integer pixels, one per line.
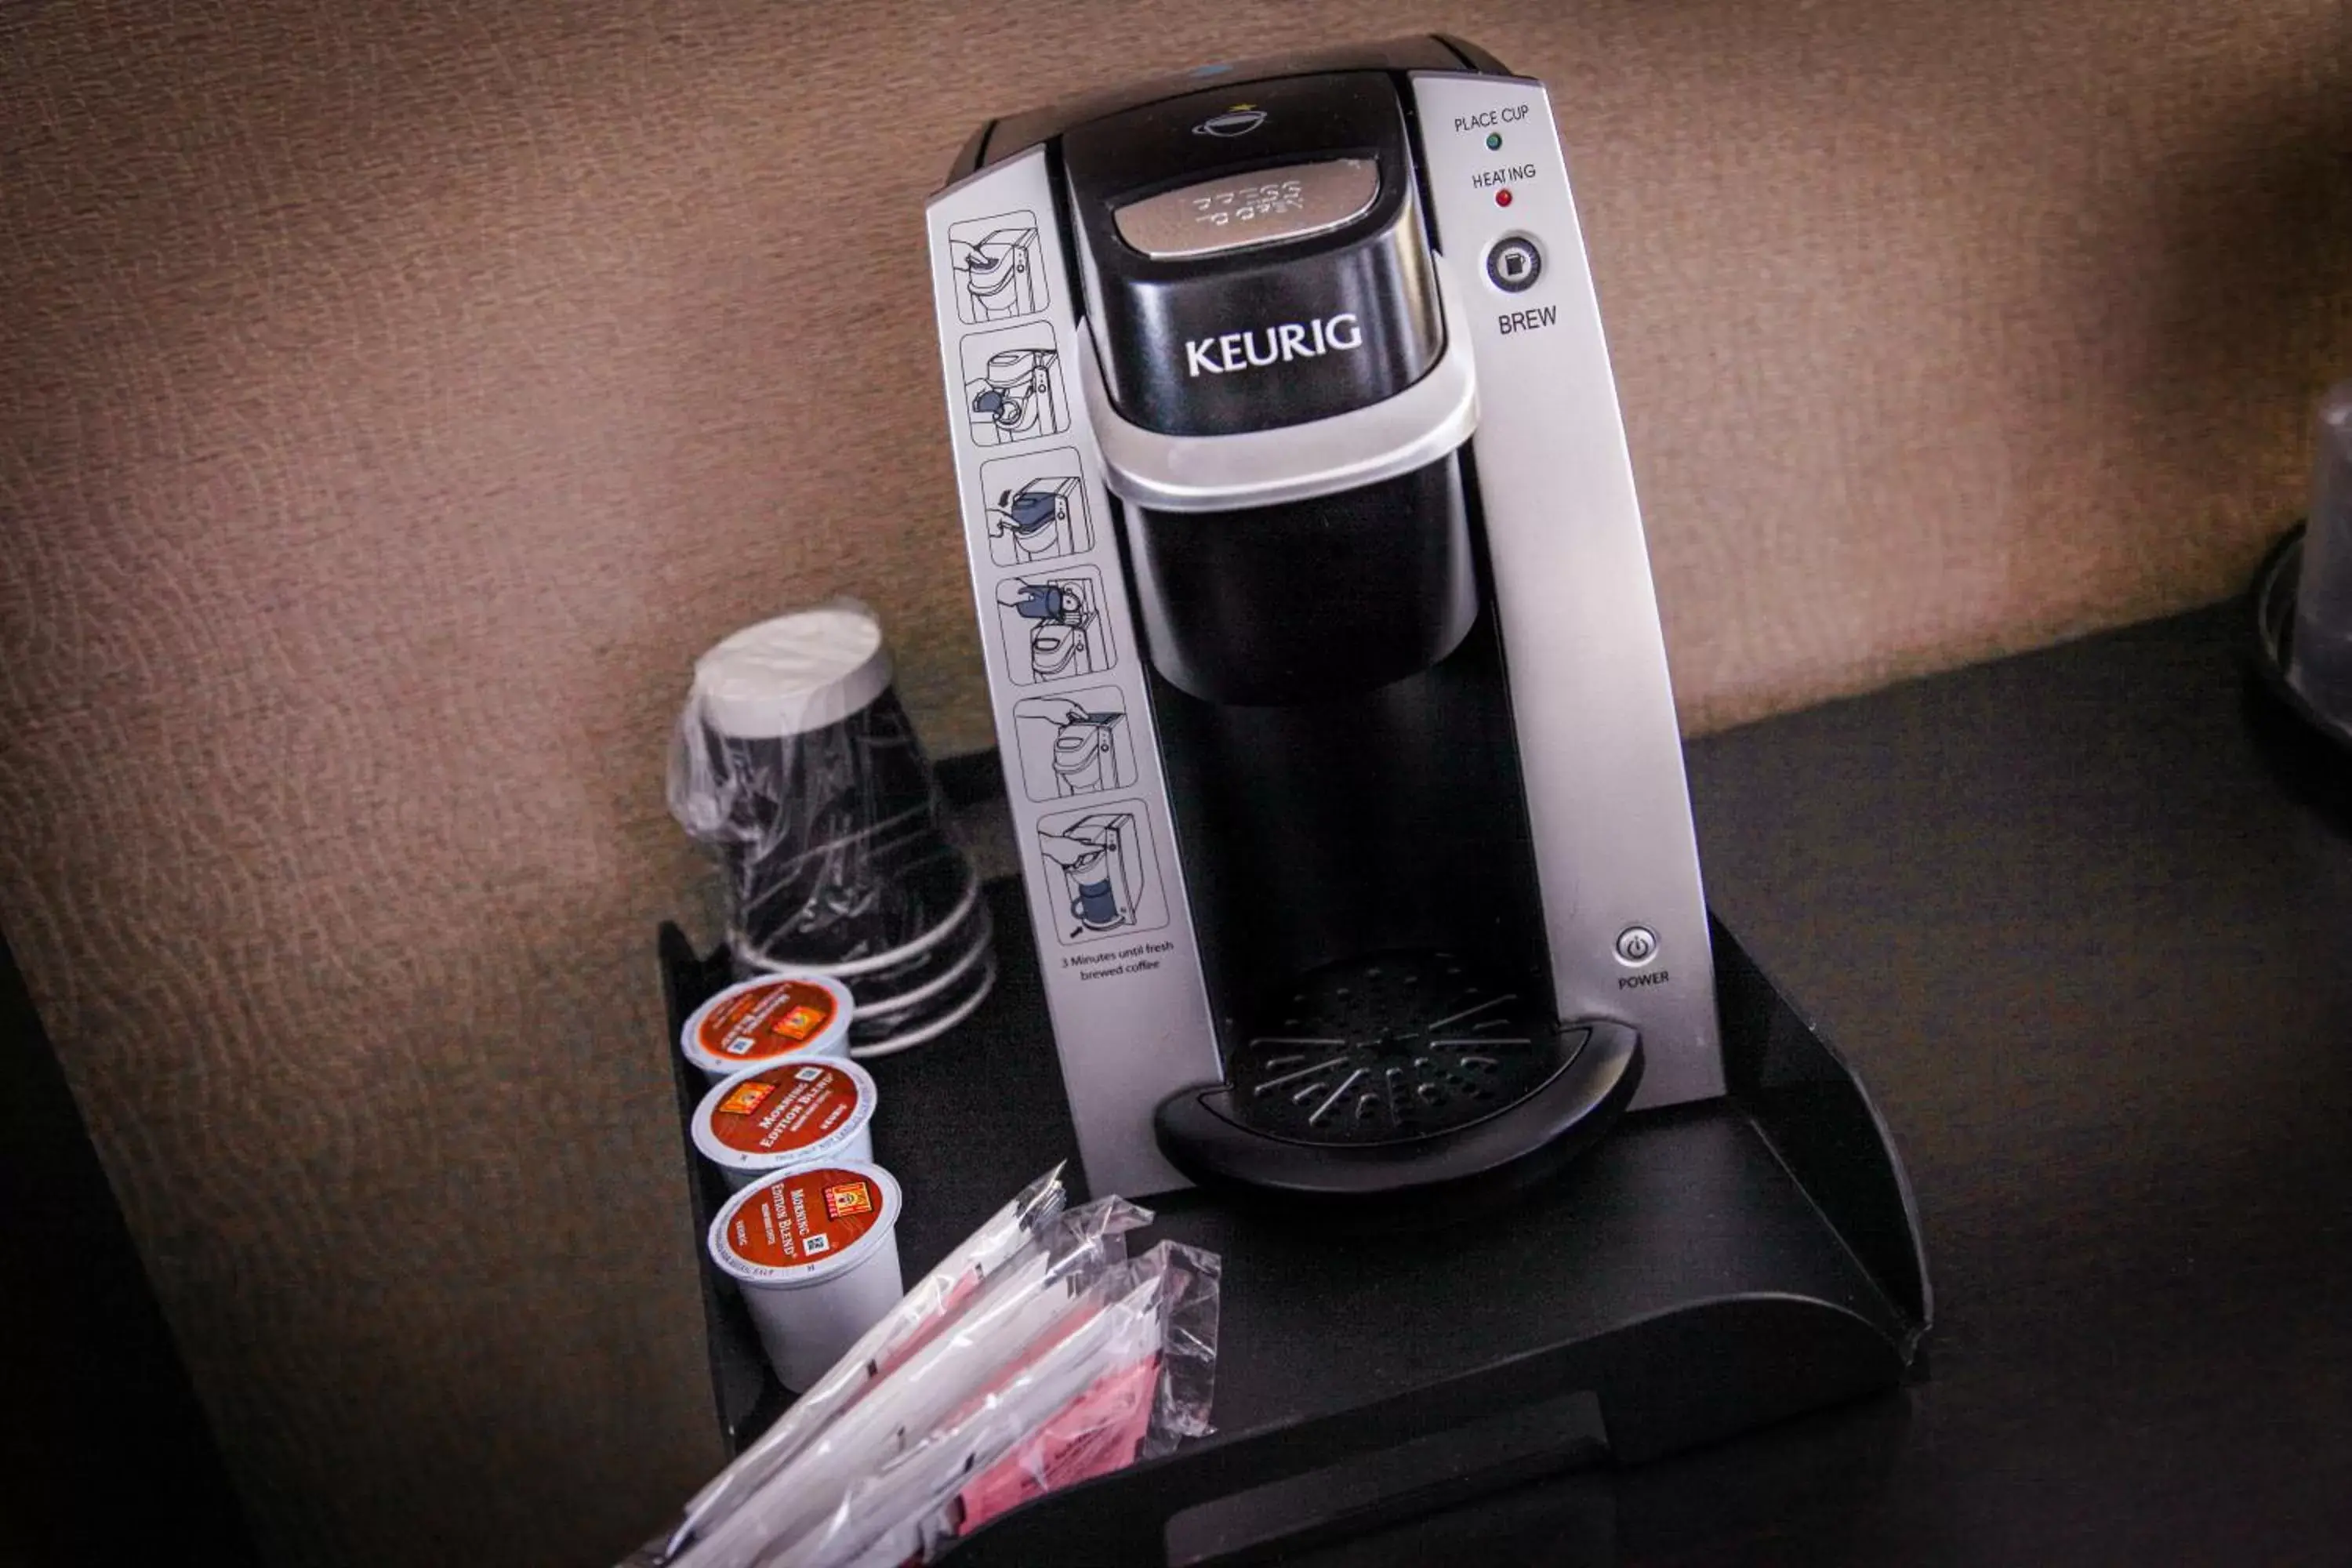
[
  {"x": 1636, "y": 945},
  {"x": 1513, "y": 264}
]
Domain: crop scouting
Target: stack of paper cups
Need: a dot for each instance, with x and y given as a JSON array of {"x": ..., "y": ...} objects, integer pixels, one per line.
[
  {"x": 796, "y": 761},
  {"x": 815, "y": 1251},
  {"x": 921, "y": 990}
]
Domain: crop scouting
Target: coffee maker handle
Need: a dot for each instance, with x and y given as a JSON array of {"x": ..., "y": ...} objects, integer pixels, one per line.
[{"x": 1292, "y": 462}]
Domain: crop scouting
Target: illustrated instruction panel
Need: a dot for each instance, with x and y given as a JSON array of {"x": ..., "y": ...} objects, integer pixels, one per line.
[
  {"x": 1054, "y": 624},
  {"x": 1074, "y": 743},
  {"x": 1036, "y": 506},
  {"x": 1105, "y": 873},
  {"x": 1089, "y": 804},
  {"x": 999, "y": 273},
  {"x": 1014, "y": 385}
]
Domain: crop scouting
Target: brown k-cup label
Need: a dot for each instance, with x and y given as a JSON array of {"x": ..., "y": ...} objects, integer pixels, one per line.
[
  {"x": 765, "y": 1021},
  {"x": 788, "y": 1107},
  {"x": 804, "y": 1217}
]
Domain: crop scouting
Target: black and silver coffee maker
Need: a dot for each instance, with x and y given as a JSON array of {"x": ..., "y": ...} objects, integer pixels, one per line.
[{"x": 1392, "y": 884}]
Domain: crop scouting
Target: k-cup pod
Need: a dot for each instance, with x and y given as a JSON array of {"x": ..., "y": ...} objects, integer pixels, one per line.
[
  {"x": 815, "y": 1251},
  {"x": 767, "y": 1018},
  {"x": 789, "y": 1113}
]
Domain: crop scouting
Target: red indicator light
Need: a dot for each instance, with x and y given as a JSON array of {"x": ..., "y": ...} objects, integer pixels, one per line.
[{"x": 1503, "y": 197}]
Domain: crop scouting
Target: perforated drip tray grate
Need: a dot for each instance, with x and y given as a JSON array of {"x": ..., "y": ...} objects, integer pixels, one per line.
[{"x": 1395, "y": 1045}]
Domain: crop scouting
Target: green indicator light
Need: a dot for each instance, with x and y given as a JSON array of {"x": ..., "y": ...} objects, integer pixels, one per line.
[{"x": 1494, "y": 140}]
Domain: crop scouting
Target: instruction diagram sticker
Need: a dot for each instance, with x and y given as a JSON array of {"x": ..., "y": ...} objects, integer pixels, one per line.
[
  {"x": 1054, "y": 626},
  {"x": 1102, "y": 871},
  {"x": 1074, "y": 743},
  {"x": 1014, "y": 385},
  {"x": 999, "y": 267},
  {"x": 1036, "y": 506}
]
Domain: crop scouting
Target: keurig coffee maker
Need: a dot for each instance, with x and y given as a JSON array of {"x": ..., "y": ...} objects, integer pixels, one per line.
[{"x": 1390, "y": 883}]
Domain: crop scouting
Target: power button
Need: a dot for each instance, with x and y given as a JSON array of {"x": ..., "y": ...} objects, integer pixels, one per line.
[
  {"x": 1636, "y": 945},
  {"x": 1514, "y": 263}
]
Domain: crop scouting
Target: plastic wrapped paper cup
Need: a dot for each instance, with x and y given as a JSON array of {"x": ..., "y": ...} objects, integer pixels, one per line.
[
  {"x": 815, "y": 1251},
  {"x": 794, "y": 761},
  {"x": 785, "y": 1114},
  {"x": 766, "y": 1018}
]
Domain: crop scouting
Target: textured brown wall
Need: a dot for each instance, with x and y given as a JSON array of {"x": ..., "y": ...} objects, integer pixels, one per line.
[{"x": 395, "y": 398}]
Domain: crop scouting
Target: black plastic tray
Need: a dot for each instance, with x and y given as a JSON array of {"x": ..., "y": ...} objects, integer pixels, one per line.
[{"x": 1707, "y": 1270}]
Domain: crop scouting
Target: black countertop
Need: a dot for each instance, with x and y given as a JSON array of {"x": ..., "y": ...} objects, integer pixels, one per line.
[{"x": 2093, "y": 957}]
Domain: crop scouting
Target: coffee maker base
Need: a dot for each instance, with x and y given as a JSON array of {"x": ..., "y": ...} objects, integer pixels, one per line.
[{"x": 1214, "y": 1137}]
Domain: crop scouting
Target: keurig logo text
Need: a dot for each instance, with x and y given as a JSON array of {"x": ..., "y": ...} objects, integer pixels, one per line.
[{"x": 1273, "y": 345}]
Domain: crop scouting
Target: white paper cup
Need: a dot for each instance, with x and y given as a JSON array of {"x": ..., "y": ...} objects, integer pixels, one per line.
[
  {"x": 766, "y": 1017},
  {"x": 815, "y": 1251},
  {"x": 796, "y": 1111}
]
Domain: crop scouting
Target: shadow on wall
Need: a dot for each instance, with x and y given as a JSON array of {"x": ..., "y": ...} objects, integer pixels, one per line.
[
  {"x": 2254, "y": 321},
  {"x": 2208, "y": 262}
]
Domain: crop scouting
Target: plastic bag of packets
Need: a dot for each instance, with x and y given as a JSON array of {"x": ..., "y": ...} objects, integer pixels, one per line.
[{"x": 1037, "y": 1353}]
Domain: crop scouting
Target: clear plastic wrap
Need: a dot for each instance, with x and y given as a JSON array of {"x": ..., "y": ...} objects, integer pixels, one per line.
[
  {"x": 1012, "y": 1232},
  {"x": 928, "y": 1371},
  {"x": 1122, "y": 1417},
  {"x": 794, "y": 764},
  {"x": 1124, "y": 1371}
]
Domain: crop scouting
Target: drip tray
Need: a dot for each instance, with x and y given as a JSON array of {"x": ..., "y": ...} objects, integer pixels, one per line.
[{"x": 1395, "y": 1045}]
